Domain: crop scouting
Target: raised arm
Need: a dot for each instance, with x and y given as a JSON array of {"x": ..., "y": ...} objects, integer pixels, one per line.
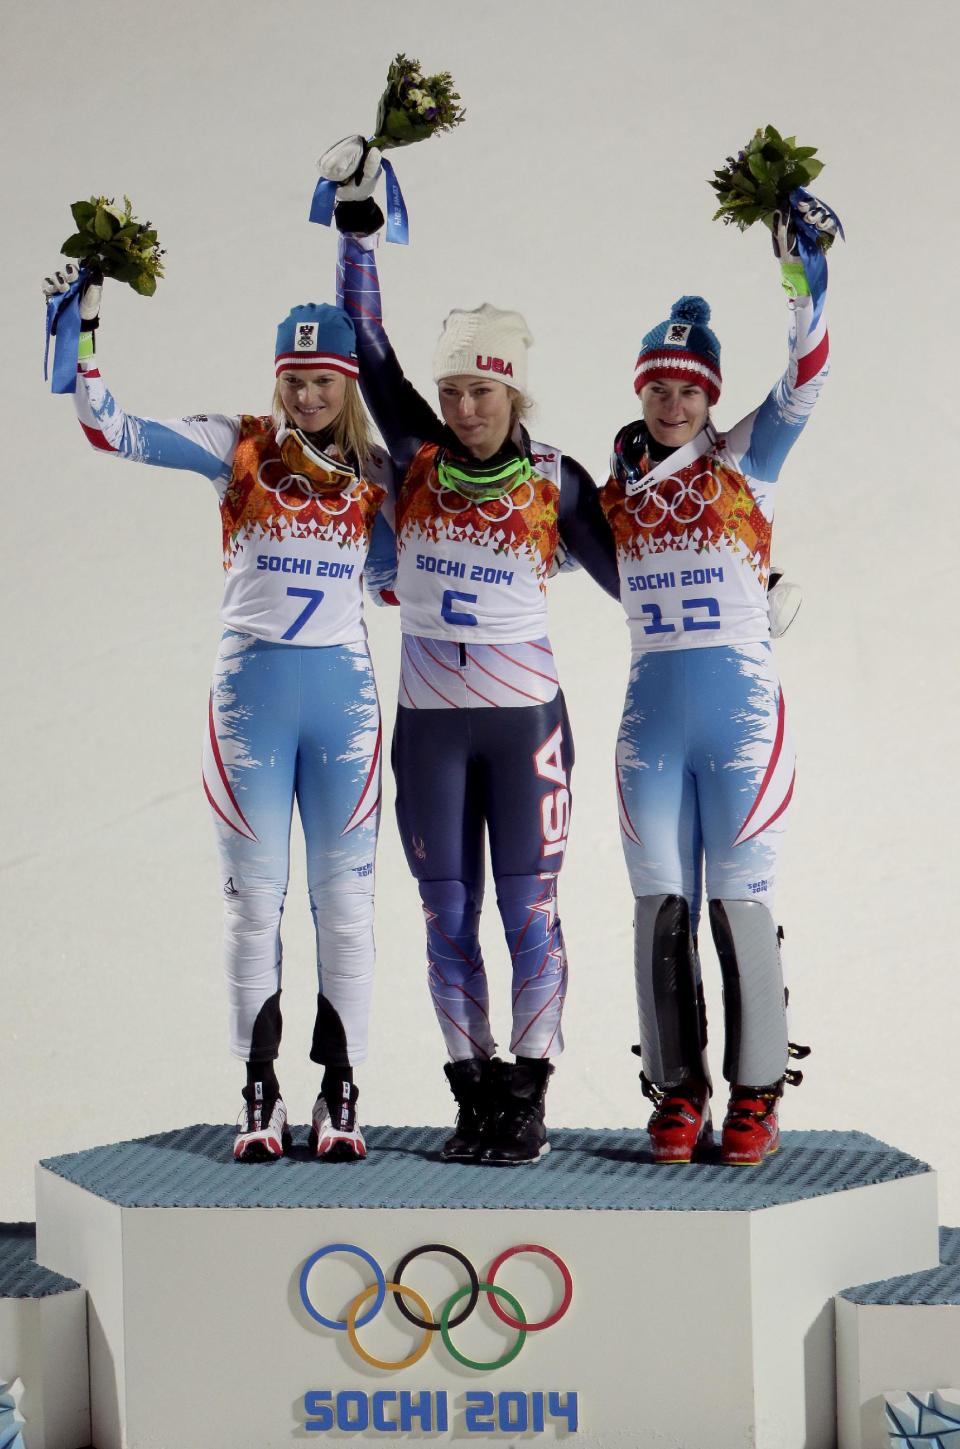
[
  {"x": 201, "y": 444},
  {"x": 405, "y": 419},
  {"x": 584, "y": 531},
  {"x": 762, "y": 440}
]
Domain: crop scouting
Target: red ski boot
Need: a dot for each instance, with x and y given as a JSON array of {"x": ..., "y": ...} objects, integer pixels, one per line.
[
  {"x": 680, "y": 1126},
  {"x": 751, "y": 1131}
]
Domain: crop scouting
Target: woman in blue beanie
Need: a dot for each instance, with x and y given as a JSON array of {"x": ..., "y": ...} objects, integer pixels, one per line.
[
  {"x": 293, "y": 711},
  {"x": 705, "y": 763}
]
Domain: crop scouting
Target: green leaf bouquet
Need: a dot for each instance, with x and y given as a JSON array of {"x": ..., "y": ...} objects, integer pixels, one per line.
[
  {"x": 413, "y": 106},
  {"x": 109, "y": 238},
  {"x": 759, "y": 180}
]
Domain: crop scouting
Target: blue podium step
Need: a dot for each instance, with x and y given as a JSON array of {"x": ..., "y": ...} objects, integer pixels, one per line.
[
  {"x": 21, "y": 1276},
  {"x": 602, "y": 1170},
  {"x": 931, "y": 1286}
]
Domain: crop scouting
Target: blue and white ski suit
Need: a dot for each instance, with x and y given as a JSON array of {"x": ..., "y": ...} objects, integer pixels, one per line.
[
  {"x": 705, "y": 761},
  {"x": 293, "y": 712}
]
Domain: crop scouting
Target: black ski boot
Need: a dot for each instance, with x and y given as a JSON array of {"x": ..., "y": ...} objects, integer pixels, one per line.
[
  {"x": 517, "y": 1133},
  {"x": 471, "y": 1083}
]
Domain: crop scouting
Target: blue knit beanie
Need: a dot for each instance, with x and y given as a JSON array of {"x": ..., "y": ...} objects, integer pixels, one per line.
[
  {"x": 317, "y": 335},
  {"x": 682, "y": 347}
]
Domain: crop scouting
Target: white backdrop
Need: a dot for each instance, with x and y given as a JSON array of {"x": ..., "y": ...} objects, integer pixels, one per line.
[{"x": 576, "y": 192}]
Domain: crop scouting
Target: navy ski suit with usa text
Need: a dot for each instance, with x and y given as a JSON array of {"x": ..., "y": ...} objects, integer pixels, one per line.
[{"x": 482, "y": 739}]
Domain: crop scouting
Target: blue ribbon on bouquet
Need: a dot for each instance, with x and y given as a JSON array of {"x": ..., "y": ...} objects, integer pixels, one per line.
[
  {"x": 812, "y": 255},
  {"x": 63, "y": 310},
  {"x": 398, "y": 225}
]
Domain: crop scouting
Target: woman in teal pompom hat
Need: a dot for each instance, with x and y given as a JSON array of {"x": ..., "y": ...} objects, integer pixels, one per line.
[
  {"x": 293, "y": 718},
  {"x": 705, "y": 764},
  {"x": 682, "y": 349}
]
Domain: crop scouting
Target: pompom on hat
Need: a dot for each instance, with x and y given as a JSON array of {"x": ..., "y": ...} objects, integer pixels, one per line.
[
  {"x": 484, "y": 342},
  {"x": 317, "y": 335},
  {"x": 683, "y": 347}
]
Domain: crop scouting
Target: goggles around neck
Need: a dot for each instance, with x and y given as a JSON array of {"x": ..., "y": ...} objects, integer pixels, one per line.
[
  {"x": 313, "y": 453},
  {"x": 629, "y": 454},
  {"x": 481, "y": 484}
]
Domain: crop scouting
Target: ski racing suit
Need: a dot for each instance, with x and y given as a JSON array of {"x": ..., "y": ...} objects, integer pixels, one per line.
[
  {"x": 293, "y": 711},
  {"x": 482, "y": 736},
  {"x": 705, "y": 762}
]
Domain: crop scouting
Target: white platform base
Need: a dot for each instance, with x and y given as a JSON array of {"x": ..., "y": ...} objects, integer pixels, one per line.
[
  {"x": 884, "y": 1348},
  {"x": 43, "y": 1342},
  {"x": 687, "y": 1330}
]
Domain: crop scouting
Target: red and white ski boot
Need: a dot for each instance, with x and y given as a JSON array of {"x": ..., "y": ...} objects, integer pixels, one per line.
[
  {"x": 751, "y": 1131},
  {"x": 680, "y": 1127}
]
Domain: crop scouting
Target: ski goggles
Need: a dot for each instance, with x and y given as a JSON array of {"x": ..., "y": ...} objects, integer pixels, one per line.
[
  {"x": 315, "y": 455},
  {"x": 479, "y": 484},
  {"x": 627, "y": 457}
]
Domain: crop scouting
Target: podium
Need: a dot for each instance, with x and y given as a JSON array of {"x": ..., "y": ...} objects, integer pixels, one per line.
[
  {"x": 43, "y": 1343},
  {"x": 898, "y": 1340},
  {"x": 666, "y": 1307}
]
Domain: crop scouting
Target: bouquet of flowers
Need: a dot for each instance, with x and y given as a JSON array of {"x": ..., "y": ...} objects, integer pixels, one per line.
[
  {"x": 413, "y": 106},
  {"x": 761, "y": 178},
  {"x": 111, "y": 240}
]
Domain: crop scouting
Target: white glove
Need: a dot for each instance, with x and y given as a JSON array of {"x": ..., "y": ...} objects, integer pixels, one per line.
[
  {"x": 783, "y": 602},
  {"x": 354, "y": 166},
  {"x": 61, "y": 281},
  {"x": 818, "y": 214},
  {"x": 814, "y": 213}
]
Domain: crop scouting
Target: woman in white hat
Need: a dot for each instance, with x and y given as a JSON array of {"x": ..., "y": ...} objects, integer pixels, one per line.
[
  {"x": 705, "y": 763},
  {"x": 293, "y": 708},
  {"x": 482, "y": 741}
]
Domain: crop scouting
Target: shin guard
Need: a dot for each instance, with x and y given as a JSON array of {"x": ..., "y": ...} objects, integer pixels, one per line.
[
  {"x": 755, "y": 1048},
  {"x": 665, "y": 970}
]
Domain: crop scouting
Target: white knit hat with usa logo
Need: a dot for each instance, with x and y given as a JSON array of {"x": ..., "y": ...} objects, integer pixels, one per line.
[
  {"x": 683, "y": 347},
  {"x": 484, "y": 342},
  {"x": 317, "y": 335}
]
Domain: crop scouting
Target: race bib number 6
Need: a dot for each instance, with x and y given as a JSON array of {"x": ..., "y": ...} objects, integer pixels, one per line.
[{"x": 457, "y": 616}]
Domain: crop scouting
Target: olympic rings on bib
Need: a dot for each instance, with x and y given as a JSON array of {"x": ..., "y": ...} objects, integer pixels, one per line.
[
  {"x": 682, "y": 500},
  {"x": 445, "y": 1322},
  {"x": 500, "y": 508},
  {"x": 450, "y": 501},
  {"x": 509, "y": 503},
  {"x": 294, "y": 490}
]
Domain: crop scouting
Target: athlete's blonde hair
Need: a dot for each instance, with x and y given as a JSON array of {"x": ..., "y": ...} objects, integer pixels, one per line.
[
  {"x": 351, "y": 430},
  {"x": 521, "y": 406}
]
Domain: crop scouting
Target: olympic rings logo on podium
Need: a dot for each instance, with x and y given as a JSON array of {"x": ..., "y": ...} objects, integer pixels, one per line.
[{"x": 476, "y": 1285}]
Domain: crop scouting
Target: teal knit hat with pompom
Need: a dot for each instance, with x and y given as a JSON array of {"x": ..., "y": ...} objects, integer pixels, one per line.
[{"x": 682, "y": 347}]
